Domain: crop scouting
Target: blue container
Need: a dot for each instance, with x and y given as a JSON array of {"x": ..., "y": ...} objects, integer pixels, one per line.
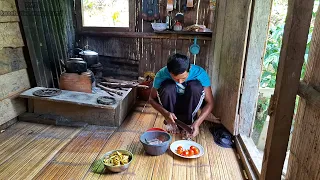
[{"x": 158, "y": 149}]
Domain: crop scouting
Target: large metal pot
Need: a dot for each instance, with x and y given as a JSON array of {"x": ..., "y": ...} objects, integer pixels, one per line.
[
  {"x": 76, "y": 65},
  {"x": 91, "y": 57}
]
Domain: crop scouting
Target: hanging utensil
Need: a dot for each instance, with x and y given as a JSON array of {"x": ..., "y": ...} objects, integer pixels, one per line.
[
  {"x": 180, "y": 15},
  {"x": 169, "y": 5},
  {"x": 194, "y": 49},
  {"x": 189, "y": 3},
  {"x": 197, "y": 19}
]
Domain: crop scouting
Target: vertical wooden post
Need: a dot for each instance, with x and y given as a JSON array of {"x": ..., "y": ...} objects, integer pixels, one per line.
[
  {"x": 287, "y": 83},
  {"x": 304, "y": 150},
  {"x": 258, "y": 35}
]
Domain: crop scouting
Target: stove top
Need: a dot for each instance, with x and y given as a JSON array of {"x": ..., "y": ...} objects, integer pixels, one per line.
[
  {"x": 48, "y": 92},
  {"x": 105, "y": 100}
]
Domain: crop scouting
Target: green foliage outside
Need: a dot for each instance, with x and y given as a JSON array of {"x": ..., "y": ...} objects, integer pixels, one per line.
[
  {"x": 271, "y": 59},
  {"x": 103, "y": 13}
]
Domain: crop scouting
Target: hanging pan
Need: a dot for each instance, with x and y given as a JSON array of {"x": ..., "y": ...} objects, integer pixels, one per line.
[{"x": 194, "y": 48}]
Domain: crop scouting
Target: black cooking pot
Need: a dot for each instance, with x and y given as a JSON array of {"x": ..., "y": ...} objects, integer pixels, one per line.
[
  {"x": 91, "y": 57},
  {"x": 76, "y": 65}
]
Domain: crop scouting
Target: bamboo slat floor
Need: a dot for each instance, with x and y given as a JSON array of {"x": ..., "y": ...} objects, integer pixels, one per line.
[
  {"x": 26, "y": 148},
  {"x": 35, "y": 151}
]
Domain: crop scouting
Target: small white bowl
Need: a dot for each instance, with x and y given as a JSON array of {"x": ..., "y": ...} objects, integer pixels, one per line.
[{"x": 159, "y": 26}]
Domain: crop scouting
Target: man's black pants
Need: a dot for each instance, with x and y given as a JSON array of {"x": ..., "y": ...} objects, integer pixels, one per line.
[{"x": 184, "y": 106}]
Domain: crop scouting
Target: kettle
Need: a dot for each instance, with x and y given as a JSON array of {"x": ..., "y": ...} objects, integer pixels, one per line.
[{"x": 91, "y": 57}]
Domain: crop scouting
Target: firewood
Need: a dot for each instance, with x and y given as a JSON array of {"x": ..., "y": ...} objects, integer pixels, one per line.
[
  {"x": 110, "y": 90},
  {"x": 124, "y": 85},
  {"x": 119, "y": 81}
]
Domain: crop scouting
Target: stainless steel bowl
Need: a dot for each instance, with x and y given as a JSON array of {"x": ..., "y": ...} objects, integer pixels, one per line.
[{"x": 121, "y": 167}]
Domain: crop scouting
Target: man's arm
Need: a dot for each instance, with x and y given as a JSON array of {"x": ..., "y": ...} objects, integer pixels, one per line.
[
  {"x": 207, "y": 109},
  {"x": 169, "y": 116}
]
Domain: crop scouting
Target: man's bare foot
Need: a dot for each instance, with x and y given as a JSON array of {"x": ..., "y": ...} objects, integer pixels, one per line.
[{"x": 212, "y": 118}]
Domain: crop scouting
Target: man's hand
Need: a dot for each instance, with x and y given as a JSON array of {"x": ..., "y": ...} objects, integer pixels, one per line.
[
  {"x": 170, "y": 124},
  {"x": 196, "y": 129},
  {"x": 170, "y": 117}
]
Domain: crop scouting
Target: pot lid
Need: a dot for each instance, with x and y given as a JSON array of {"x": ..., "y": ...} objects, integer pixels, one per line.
[{"x": 88, "y": 52}]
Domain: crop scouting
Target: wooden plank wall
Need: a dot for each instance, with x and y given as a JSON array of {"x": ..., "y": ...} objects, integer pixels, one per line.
[
  {"x": 304, "y": 150},
  {"x": 121, "y": 57},
  {"x": 229, "y": 54},
  {"x": 50, "y": 37},
  {"x": 129, "y": 58},
  {"x": 13, "y": 74}
]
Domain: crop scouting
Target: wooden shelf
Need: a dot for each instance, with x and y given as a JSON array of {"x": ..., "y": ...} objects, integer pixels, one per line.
[
  {"x": 184, "y": 33},
  {"x": 152, "y": 35}
]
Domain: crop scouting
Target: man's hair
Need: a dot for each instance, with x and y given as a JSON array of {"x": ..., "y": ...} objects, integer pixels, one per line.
[{"x": 178, "y": 64}]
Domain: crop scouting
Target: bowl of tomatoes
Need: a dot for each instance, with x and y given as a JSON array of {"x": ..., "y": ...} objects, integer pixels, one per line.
[{"x": 187, "y": 149}]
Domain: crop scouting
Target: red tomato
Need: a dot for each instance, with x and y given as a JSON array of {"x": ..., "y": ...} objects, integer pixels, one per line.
[
  {"x": 180, "y": 147},
  {"x": 193, "y": 147},
  {"x": 196, "y": 151},
  {"x": 179, "y": 151},
  {"x": 191, "y": 152},
  {"x": 185, "y": 153}
]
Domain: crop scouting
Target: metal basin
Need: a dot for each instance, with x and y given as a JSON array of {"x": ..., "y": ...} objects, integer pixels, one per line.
[{"x": 119, "y": 168}]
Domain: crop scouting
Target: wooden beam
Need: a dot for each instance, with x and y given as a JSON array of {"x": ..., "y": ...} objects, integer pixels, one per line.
[
  {"x": 283, "y": 102},
  {"x": 304, "y": 155},
  {"x": 145, "y": 35},
  {"x": 216, "y": 46},
  {"x": 132, "y": 15},
  {"x": 78, "y": 15},
  {"x": 253, "y": 154},
  {"x": 244, "y": 156},
  {"x": 310, "y": 94}
]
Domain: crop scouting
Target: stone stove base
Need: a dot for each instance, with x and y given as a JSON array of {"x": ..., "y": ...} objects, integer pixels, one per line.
[{"x": 81, "y": 107}]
